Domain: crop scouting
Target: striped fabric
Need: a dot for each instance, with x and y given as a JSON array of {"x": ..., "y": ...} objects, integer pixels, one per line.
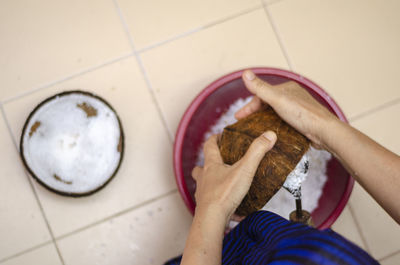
[{"x": 266, "y": 238}]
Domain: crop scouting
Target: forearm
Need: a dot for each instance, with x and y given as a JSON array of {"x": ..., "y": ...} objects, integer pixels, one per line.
[
  {"x": 204, "y": 243},
  {"x": 373, "y": 166}
]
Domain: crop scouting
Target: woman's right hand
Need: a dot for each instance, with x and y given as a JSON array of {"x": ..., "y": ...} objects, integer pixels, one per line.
[
  {"x": 292, "y": 103},
  {"x": 373, "y": 166}
]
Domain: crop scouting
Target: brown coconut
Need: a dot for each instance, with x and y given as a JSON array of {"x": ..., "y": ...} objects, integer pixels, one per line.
[{"x": 276, "y": 164}]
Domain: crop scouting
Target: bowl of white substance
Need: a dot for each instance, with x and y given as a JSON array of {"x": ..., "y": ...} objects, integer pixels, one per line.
[
  {"x": 72, "y": 143},
  {"x": 325, "y": 188}
]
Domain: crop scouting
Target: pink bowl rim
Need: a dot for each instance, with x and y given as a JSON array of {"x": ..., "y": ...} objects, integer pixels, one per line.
[{"x": 203, "y": 95}]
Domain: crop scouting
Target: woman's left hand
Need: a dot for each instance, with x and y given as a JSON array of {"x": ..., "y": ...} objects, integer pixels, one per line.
[
  {"x": 220, "y": 190},
  {"x": 222, "y": 187}
]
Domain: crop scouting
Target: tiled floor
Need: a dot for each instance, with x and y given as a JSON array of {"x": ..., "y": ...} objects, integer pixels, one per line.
[{"x": 149, "y": 59}]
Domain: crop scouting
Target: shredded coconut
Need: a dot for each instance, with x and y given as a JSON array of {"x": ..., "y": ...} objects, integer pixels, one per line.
[
  {"x": 297, "y": 176},
  {"x": 307, "y": 179},
  {"x": 73, "y": 146},
  {"x": 226, "y": 119},
  {"x": 283, "y": 202}
]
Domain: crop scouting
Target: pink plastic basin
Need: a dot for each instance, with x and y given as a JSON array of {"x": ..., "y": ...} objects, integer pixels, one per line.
[{"x": 216, "y": 98}]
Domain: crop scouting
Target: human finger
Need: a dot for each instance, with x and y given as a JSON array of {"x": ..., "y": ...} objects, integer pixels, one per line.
[
  {"x": 256, "y": 152},
  {"x": 249, "y": 108},
  {"x": 260, "y": 88},
  {"x": 196, "y": 172},
  {"x": 211, "y": 151}
]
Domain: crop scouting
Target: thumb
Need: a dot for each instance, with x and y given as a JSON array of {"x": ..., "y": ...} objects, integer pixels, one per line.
[
  {"x": 255, "y": 85},
  {"x": 256, "y": 152}
]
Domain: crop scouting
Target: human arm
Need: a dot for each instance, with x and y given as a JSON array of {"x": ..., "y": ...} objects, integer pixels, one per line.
[
  {"x": 220, "y": 189},
  {"x": 374, "y": 167}
]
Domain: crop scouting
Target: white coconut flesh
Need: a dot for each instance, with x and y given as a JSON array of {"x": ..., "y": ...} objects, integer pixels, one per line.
[
  {"x": 72, "y": 143},
  {"x": 297, "y": 176}
]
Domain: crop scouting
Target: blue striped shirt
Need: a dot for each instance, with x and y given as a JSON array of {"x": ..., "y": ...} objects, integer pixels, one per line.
[{"x": 266, "y": 238}]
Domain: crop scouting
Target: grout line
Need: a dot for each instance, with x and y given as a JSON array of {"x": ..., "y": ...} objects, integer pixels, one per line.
[
  {"x": 137, "y": 206},
  {"x": 124, "y": 25},
  {"x": 8, "y": 126},
  {"x": 390, "y": 255},
  {"x": 363, "y": 239},
  {"x": 375, "y": 109},
  {"x": 143, "y": 70},
  {"x": 32, "y": 187},
  {"x": 25, "y": 251},
  {"x": 68, "y": 77},
  {"x": 278, "y": 37},
  {"x": 272, "y": 2},
  {"x": 190, "y": 32},
  {"x": 90, "y": 69},
  {"x": 53, "y": 238},
  {"x": 95, "y": 223},
  {"x": 225, "y": 19},
  {"x": 179, "y": 36},
  {"x": 153, "y": 95},
  {"x": 134, "y": 53},
  {"x": 140, "y": 62}
]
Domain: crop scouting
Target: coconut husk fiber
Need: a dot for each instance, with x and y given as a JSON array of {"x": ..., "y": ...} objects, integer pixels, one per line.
[{"x": 276, "y": 164}]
